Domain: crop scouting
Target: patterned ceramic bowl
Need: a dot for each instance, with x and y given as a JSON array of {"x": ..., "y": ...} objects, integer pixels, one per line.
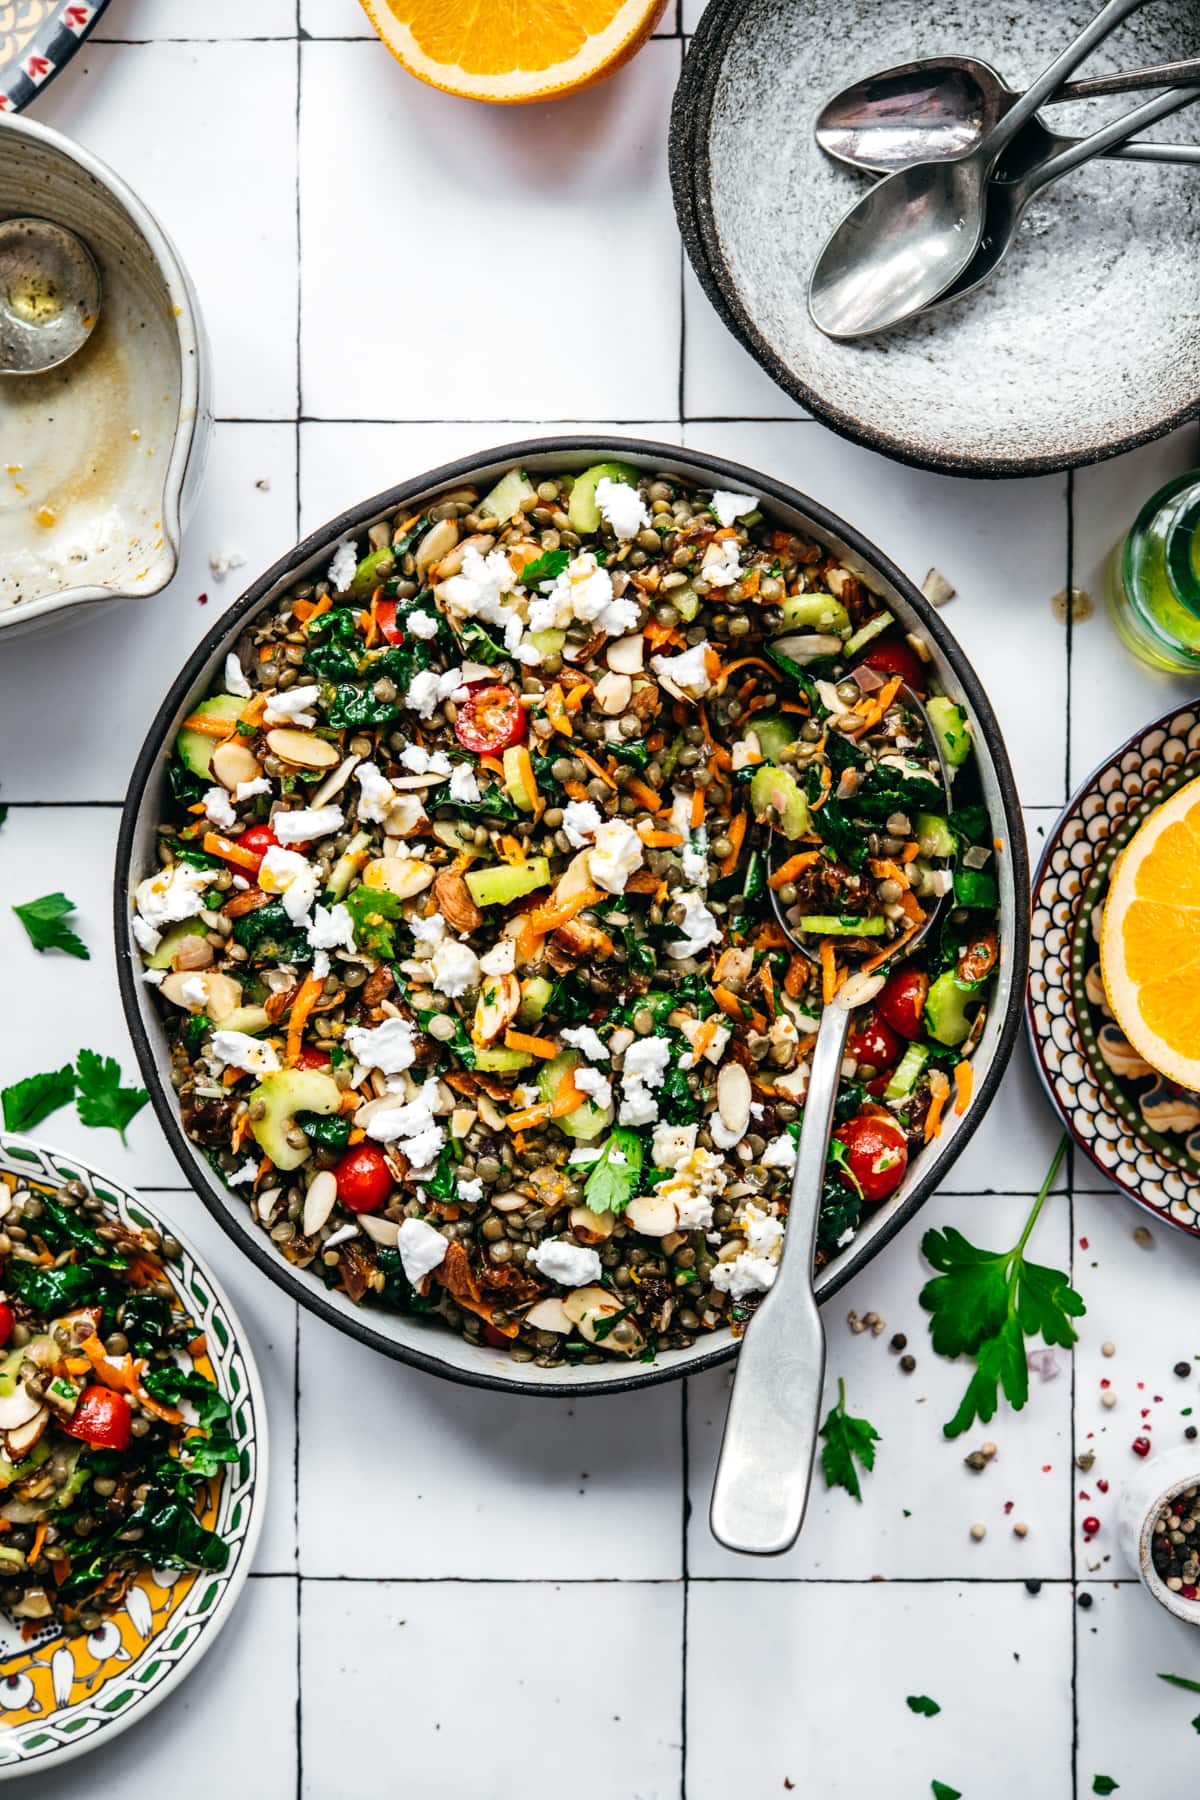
[
  {"x": 1140, "y": 1130},
  {"x": 62, "y": 1696}
]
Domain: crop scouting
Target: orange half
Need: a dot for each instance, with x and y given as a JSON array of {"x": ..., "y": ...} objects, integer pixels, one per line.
[
  {"x": 510, "y": 51},
  {"x": 1150, "y": 939}
]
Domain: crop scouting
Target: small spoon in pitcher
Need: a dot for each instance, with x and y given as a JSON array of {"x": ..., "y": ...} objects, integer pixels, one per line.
[{"x": 50, "y": 294}]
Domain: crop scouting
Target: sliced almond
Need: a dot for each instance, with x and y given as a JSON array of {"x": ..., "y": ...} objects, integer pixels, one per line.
[
  {"x": 499, "y": 1000},
  {"x": 614, "y": 692},
  {"x": 406, "y": 816},
  {"x": 511, "y": 1201},
  {"x": 301, "y": 749},
  {"x": 17, "y": 1408},
  {"x": 492, "y": 1117},
  {"x": 591, "y": 1227},
  {"x": 222, "y": 995},
  {"x": 626, "y": 656},
  {"x": 575, "y": 878},
  {"x": 549, "y": 1315},
  {"x": 400, "y": 875},
  {"x": 233, "y": 763},
  {"x": 21, "y": 1441},
  {"x": 652, "y": 1215},
  {"x": 733, "y": 1097},
  {"x": 438, "y": 541},
  {"x": 384, "y": 1232},
  {"x": 588, "y": 1307},
  {"x": 318, "y": 1202},
  {"x": 461, "y": 1121},
  {"x": 333, "y": 784}
]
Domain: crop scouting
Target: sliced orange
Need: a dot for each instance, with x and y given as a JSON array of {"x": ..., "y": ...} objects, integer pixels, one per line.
[
  {"x": 1150, "y": 939},
  {"x": 511, "y": 51}
]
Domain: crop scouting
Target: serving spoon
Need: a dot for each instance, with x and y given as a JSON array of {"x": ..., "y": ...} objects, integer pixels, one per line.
[
  {"x": 760, "y": 1491},
  {"x": 939, "y": 107},
  {"x": 913, "y": 234},
  {"x": 50, "y": 294}
]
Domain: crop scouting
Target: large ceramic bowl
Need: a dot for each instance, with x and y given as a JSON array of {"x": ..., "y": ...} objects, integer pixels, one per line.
[
  {"x": 413, "y": 1339},
  {"x": 104, "y": 455}
]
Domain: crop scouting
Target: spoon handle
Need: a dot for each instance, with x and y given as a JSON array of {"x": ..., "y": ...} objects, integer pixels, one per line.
[
  {"x": 1006, "y": 128},
  {"x": 1158, "y": 153},
  {"x": 762, "y": 1481},
  {"x": 1133, "y": 81},
  {"x": 1109, "y": 135}
]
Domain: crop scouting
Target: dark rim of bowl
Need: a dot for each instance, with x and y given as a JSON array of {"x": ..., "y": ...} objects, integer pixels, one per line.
[
  {"x": 729, "y": 474},
  {"x": 1132, "y": 742},
  {"x": 689, "y": 165}
]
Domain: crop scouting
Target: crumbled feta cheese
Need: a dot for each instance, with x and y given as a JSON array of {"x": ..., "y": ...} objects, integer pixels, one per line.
[
  {"x": 581, "y": 821},
  {"x": 572, "y": 1265},
  {"x": 292, "y": 706},
  {"x": 744, "y": 1274},
  {"x": 235, "y": 677},
  {"x": 155, "y": 977},
  {"x": 303, "y": 824},
  {"x": 222, "y": 561},
  {"x": 686, "y": 675},
  {"x": 219, "y": 808},
  {"x": 341, "y": 569},
  {"x": 428, "y": 688},
  {"x": 176, "y": 892},
  {"x": 698, "y": 1180},
  {"x": 475, "y": 592},
  {"x": 582, "y": 1037},
  {"x": 246, "y": 790},
  {"x": 583, "y": 591},
  {"x": 428, "y": 931},
  {"x": 672, "y": 1145},
  {"x": 595, "y": 1085},
  {"x": 729, "y": 508},
  {"x": 698, "y": 926},
  {"x": 238, "y": 1050},
  {"x": 455, "y": 968},
  {"x": 390, "y": 1047},
  {"x": 501, "y": 959},
  {"x": 421, "y": 624},
  {"x": 639, "y": 1107},
  {"x": 722, "y": 565},
  {"x": 621, "y": 506},
  {"x": 695, "y": 865},
  {"x": 420, "y": 761},
  {"x": 412, "y": 1127},
  {"x": 378, "y": 795},
  {"x": 617, "y": 852},
  {"x": 332, "y": 928},
  {"x": 780, "y": 1153},
  {"x": 645, "y": 1065},
  {"x": 469, "y": 1192},
  {"x": 194, "y": 990},
  {"x": 764, "y": 1232},
  {"x": 422, "y": 1249},
  {"x": 691, "y": 1029},
  {"x": 528, "y": 654},
  {"x": 244, "y": 1176},
  {"x": 293, "y": 878},
  {"x": 464, "y": 784}
]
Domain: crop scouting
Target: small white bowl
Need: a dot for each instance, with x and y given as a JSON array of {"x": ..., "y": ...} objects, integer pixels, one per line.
[
  {"x": 103, "y": 457},
  {"x": 1156, "y": 1484}
]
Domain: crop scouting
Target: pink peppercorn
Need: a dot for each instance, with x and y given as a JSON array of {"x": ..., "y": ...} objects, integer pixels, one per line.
[{"x": 1141, "y": 1446}]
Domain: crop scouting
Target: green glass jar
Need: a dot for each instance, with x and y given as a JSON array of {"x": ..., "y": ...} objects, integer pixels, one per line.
[{"x": 1154, "y": 578}]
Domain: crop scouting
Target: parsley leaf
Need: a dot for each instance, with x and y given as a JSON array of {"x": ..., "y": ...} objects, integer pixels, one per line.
[
  {"x": 26, "y": 1103},
  {"x": 845, "y": 1439},
  {"x": 374, "y": 912},
  {"x": 985, "y": 1303},
  {"x": 614, "y": 1178},
  {"x": 101, "y": 1099},
  {"x": 547, "y": 567},
  {"x": 3, "y": 814},
  {"x": 921, "y": 1703},
  {"x": 43, "y": 921},
  {"x": 1104, "y": 1784},
  {"x": 941, "y": 1791}
]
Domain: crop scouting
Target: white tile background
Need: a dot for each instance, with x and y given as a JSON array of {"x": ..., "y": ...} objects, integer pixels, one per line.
[{"x": 459, "y": 1594}]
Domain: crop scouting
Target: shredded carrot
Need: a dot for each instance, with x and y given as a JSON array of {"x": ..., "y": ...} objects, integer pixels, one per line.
[
  {"x": 933, "y": 1118},
  {"x": 511, "y": 849},
  {"x": 372, "y": 627},
  {"x": 305, "y": 611},
  {"x": 659, "y": 840},
  {"x": 208, "y": 725},
  {"x": 198, "y": 1346},
  {"x": 228, "y": 851},
  {"x": 826, "y": 784},
  {"x": 874, "y": 710},
  {"x": 657, "y": 636},
  {"x": 39, "y": 1538},
  {"x": 704, "y": 1037},
  {"x": 712, "y": 664},
  {"x": 911, "y": 910},
  {"x": 556, "y": 711},
  {"x": 357, "y": 1136},
  {"x": 566, "y": 1096},
  {"x": 881, "y": 956},
  {"x": 795, "y": 865},
  {"x": 729, "y": 1004},
  {"x": 310, "y": 992},
  {"x": 553, "y": 913},
  {"x": 828, "y": 972},
  {"x": 252, "y": 712},
  {"x": 697, "y": 808},
  {"x": 643, "y": 794},
  {"x": 884, "y": 869},
  {"x": 750, "y": 584},
  {"x": 528, "y": 780},
  {"x": 170, "y": 1414},
  {"x": 575, "y": 699},
  {"x": 909, "y": 852},
  {"x": 964, "y": 1082},
  {"x": 717, "y": 755},
  {"x": 591, "y": 763},
  {"x": 768, "y": 985},
  {"x": 531, "y": 1046},
  {"x": 747, "y": 662},
  {"x": 736, "y": 833}
]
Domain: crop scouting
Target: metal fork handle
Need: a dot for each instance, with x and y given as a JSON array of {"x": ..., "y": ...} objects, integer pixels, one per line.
[
  {"x": 761, "y": 1489},
  {"x": 1132, "y": 81},
  {"x": 1051, "y": 79},
  {"x": 1109, "y": 135}
]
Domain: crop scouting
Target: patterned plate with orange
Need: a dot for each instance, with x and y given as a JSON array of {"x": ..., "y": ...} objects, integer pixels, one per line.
[
  {"x": 37, "y": 39},
  {"x": 1141, "y": 1130},
  {"x": 60, "y": 1696}
]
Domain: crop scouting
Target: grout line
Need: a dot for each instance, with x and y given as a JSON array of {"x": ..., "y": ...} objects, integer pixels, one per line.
[
  {"x": 558, "y": 1581},
  {"x": 536, "y": 424}
]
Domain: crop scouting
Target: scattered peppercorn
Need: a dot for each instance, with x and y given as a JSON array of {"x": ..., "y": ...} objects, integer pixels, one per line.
[
  {"x": 1085, "y": 1600},
  {"x": 1142, "y": 1235},
  {"x": 899, "y": 1341},
  {"x": 1189, "y": 1431},
  {"x": 1108, "y": 1399},
  {"x": 979, "y": 1532},
  {"x": 1085, "y": 1459},
  {"x": 1020, "y": 1529},
  {"x": 1033, "y": 1587},
  {"x": 1183, "y": 1370},
  {"x": 1141, "y": 1446},
  {"x": 908, "y": 1364},
  {"x": 1107, "y": 1349}
]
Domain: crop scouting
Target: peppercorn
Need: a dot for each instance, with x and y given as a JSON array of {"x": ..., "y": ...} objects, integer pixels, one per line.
[
  {"x": 1183, "y": 1370},
  {"x": 908, "y": 1364},
  {"x": 1033, "y": 1587},
  {"x": 1085, "y": 1600},
  {"x": 1189, "y": 1431},
  {"x": 899, "y": 1341}
]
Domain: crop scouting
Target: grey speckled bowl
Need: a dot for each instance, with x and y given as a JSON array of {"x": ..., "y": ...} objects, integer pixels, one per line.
[{"x": 1086, "y": 344}]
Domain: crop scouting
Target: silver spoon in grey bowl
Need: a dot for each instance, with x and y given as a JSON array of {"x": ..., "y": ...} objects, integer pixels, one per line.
[
  {"x": 50, "y": 295},
  {"x": 760, "y": 1492},
  {"x": 939, "y": 107}
]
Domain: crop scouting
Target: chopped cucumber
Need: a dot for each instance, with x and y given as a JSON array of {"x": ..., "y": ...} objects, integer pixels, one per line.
[
  {"x": 172, "y": 937},
  {"x": 494, "y": 1059},
  {"x": 582, "y": 510},
  {"x": 953, "y": 731},
  {"x": 976, "y": 888},
  {"x": 588, "y": 1120},
  {"x": 773, "y": 791},
  {"x": 907, "y": 1073},
  {"x": 506, "y": 497},
  {"x": 517, "y": 769},
  {"x": 548, "y": 643},
  {"x": 283, "y": 1095},
  {"x": 536, "y": 994},
  {"x": 347, "y": 866},
  {"x": 686, "y": 602},
  {"x": 374, "y": 568},
  {"x": 773, "y": 733},
  {"x": 250, "y": 1019},
  {"x": 842, "y": 925},
  {"x": 502, "y": 882},
  {"x": 194, "y": 748},
  {"x": 934, "y": 836},
  {"x": 946, "y": 1009},
  {"x": 817, "y": 612},
  {"x": 872, "y": 629}
]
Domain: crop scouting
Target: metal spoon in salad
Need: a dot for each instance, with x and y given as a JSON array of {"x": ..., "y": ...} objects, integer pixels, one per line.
[{"x": 762, "y": 1482}]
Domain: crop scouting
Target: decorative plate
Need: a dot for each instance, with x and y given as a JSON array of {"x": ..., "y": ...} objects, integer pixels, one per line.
[
  {"x": 37, "y": 39},
  {"x": 62, "y": 1696},
  {"x": 1141, "y": 1131}
]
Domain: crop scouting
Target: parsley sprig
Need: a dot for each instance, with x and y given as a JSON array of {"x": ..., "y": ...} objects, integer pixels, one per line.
[
  {"x": 985, "y": 1303},
  {"x": 44, "y": 922},
  {"x": 94, "y": 1083},
  {"x": 614, "y": 1178},
  {"x": 846, "y": 1438}
]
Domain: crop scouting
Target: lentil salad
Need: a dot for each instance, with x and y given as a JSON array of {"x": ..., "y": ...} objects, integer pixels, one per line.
[{"x": 463, "y": 928}]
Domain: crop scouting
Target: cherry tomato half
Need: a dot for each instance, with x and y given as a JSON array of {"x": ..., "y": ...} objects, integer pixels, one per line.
[
  {"x": 313, "y": 1059},
  {"x": 490, "y": 719},
  {"x": 7, "y": 1321},
  {"x": 102, "y": 1417},
  {"x": 874, "y": 1046},
  {"x": 877, "y": 1153},
  {"x": 385, "y": 618},
  {"x": 363, "y": 1178},
  {"x": 901, "y": 1001},
  {"x": 892, "y": 656},
  {"x": 258, "y": 839}
]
